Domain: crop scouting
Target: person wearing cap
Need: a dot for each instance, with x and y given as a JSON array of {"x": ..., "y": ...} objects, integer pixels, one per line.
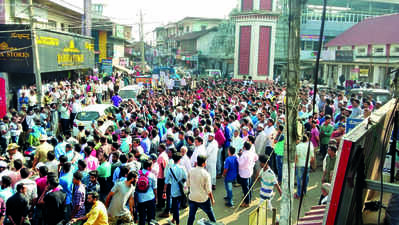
[
  {"x": 212, "y": 149},
  {"x": 12, "y": 154},
  {"x": 41, "y": 151},
  {"x": 325, "y": 190},
  {"x": 378, "y": 105}
]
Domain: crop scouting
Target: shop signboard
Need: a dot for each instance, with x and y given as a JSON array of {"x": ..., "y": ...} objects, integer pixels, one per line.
[
  {"x": 106, "y": 66},
  {"x": 363, "y": 72},
  {"x": 57, "y": 51},
  {"x": 60, "y": 52},
  {"x": 15, "y": 50}
]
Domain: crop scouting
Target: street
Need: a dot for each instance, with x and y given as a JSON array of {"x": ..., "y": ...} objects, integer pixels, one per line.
[{"x": 225, "y": 215}]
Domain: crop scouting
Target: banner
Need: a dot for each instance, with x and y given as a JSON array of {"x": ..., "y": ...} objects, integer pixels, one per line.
[
  {"x": 102, "y": 45},
  {"x": 352, "y": 123},
  {"x": 3, "y": 98}
]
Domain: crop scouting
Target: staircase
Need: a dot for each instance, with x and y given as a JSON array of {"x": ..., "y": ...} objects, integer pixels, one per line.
[{"x": 314, "y": 216}]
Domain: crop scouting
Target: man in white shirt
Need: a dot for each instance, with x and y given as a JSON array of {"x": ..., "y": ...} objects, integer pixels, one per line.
[
  {"x": 198, "y": 150},
  {"x": 201, "y": 193},
  {"x": 212, "y": 155},
  {"x": 270, "y": 133}
]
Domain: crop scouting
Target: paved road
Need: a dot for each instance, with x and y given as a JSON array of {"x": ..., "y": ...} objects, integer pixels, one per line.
[{"x": 227, "y": 216}]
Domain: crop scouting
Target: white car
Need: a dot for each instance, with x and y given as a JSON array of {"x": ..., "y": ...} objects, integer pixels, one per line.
[
  {"x": 130, "y": 92},
  {"x": 91, "y": 114}
]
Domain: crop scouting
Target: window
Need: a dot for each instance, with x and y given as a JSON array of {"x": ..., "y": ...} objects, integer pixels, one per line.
[
  {"x": 396, "y": 50},
  {"x": 62, "y": 26},
  {"x": 52, "y": 24},
  {"x": 187, "y": 29},
  {"x": 361, "y": 51},
  {"x": 308, "y": 45},
  {"x": 203, "y": 27},
  {"x": 379, "y": 50}
]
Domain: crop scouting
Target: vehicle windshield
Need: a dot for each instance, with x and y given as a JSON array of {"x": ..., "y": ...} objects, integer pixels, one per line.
[
  {"x": 383, "y": 98},
  {"x": 127, "y": 94},
  {"x": 87, "y": 116},
  {"x": 214, "y": 73}
]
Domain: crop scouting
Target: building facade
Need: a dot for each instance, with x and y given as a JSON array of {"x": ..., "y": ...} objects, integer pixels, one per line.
[
  {"x": 340, "y": 16},
  {"x": 364, "y": 56},
  {"x": 256, "y": 24}
]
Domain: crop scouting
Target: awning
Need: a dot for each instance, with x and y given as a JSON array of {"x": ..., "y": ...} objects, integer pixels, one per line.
[{"x": 121, "y": 68}]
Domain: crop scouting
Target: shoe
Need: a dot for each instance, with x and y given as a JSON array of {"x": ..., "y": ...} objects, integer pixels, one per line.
[
  {"x": 164, "y": 215},
  {"x": 219, "y": 176},
  {"x": 229, "y": 205},
  {"x": 236, "y": 185},
  {"x": 225, "y": 198}
]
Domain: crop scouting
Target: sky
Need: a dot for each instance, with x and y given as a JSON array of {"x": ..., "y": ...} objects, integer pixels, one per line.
[{"x": 160, "y": 12}]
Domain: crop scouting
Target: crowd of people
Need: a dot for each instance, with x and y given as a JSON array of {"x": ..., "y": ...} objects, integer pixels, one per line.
[{"x": 164, "y": 152}]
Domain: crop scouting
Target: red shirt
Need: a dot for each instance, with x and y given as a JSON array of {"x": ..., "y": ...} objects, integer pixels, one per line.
[{"x": 41, "y": 185}]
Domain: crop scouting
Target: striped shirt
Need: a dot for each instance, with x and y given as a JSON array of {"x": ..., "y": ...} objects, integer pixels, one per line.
[{"x": 268, "y": 180}]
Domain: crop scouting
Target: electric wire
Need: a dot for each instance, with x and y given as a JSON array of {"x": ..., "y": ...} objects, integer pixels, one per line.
[{"x": 316, "y": 72}]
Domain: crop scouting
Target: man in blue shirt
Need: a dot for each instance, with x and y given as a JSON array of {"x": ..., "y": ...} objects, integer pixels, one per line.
[
  {"x": 145, "y": 142},
  {"x": 176, "y": 173},
  {"x": 230, "y": 173},
  {"x": 116, "y": 100},
  {"x": 59, "y": 149},
  {"x": 146, "y": 200},
  {"x": 66, "y": 182}
]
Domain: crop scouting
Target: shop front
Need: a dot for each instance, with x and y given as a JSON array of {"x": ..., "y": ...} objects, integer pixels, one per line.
[{"x": 60, "y": 55}]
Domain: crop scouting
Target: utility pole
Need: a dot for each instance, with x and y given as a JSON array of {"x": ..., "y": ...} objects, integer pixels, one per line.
[
  {"x": 142, "y": 41},
  {"x": 87, "y": 17},
  {"x": 294, "y": 7},
  {"x": 35, "y": 60}
]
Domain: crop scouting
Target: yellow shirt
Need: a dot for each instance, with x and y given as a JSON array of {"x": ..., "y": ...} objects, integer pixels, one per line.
[
  {"x": 97, "y": 215},
  {"x": 41, "y": 151}
]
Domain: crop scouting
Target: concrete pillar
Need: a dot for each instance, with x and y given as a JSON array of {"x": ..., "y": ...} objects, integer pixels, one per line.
[
  {"x": 376, "y": 75},
  {"x": 325, "y": 73},
  {"x": 340, "y": 72}
]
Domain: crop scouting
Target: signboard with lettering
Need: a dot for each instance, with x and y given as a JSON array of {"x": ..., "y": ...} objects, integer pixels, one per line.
[
  {"x": 15, "y": 50},
  {"x": 106, "y": 66},
  {"x": 352, "y": 123},
  {"x": 344, "y": 55},
  {"x": 59, "y": 51},
  {"x": 363, "y": 72}
]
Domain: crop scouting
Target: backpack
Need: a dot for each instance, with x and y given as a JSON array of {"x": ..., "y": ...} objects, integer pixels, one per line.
[{"x": 143, "y": 183}]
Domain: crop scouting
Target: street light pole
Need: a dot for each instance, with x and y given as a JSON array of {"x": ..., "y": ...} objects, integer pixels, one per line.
[
  {"x": 36, "y": 63},
  {"x": 142, "y": 41},
  {"x": 291, "y": 134}
]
